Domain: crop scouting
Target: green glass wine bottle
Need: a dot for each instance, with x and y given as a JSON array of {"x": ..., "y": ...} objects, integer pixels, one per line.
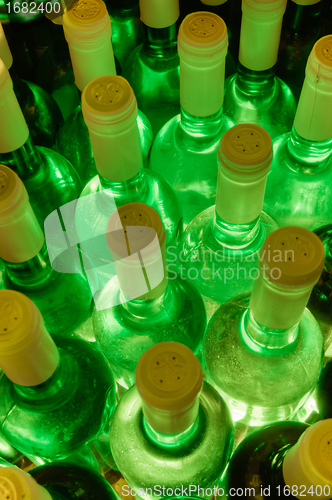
[
  {"x": 110, "y": 111},
  {"x": 54, "y": 71},
  {"x": 254, "y": 94},
  {"x": 283, "y": 460},
  {"x": 40, "y": 111},
  {"x": 223, "y": 9},
  {"x": 152, "y": 69},
  {"x": 319, "y": 406},
  {"x": 299, "y": 187},
  {"x": 126, "y": 27},
  {"x": 88, "y": 33},
  {"x": 55, "y": 481},
  {"x": 320, "y": 302},
  {"x": 58, "y": 393},
  {"x": 302, "y": 27},
  {"x": 9, "y": 455},
  {"x": 322, "y": 394},
  {"x": 64, "y": 298},
  {"x": 132, "y": 314},
  {"x": 264, "y": 352},
  {"x": 220, "y": 247},
  {"x": 171, "y": 430},
  {"x": 185, "y": 150},
  {"x": 50, "y": 179}
]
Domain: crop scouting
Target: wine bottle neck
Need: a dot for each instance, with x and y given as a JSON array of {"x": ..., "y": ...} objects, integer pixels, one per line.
[
  {"x": 299, "y": 15},
  {"x": 172, "y": 441},
  {"x": 121, "y": 8},
  {"x": 160, "y": 42},
  {"x": 147, "y": 308},
  {"x": 126, "y": 191},
  {"x": 254, "y": 82},
  {"x": 276, "y": 309},
  {"x": 235, "y": 236},
  {"x": 308, "y": 154},
  {"x": 33, "y": 274},
  {"x": 25, "y": 161},
  {"x": 67, "y": 370},
  {"x": 201, "y": 128},
  {"x": 267, "y": 341}
]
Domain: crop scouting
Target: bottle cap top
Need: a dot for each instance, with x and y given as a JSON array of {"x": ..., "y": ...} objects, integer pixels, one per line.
[
  {"x": 322, "y": 52},
  {"x": 86, "y": 11},
  {"x": 245, "y": 146},
  {"x": 132, "y": 228},
  {"x": 15, "y": 484},
  {"x": 169, "y": 376},
  {"x": 109, "y": 99},
  {"x": 13, "y": 195},
  {"x": 203, "y": 31},
  {"x": 293, "y": 255},
  {"x": 159, "y": 13}
]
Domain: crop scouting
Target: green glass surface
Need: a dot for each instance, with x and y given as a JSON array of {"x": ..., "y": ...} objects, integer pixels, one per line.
[
  {"x": 320, "y": 302},
  {"x": 126, "y": 27},
  {"x": 153, "y": 71},
  {"x": 69, "y": 410},
  {"x": 299, "y": 184},
  {"x": 40, "y": 111},
  {"x": 93, "y": 212},
  {"x": 302, "y": 26},
  {"x": 260, "y": 98},
  {"x": 256, "y": 465},
  {"x": 320, "y": 305},
  {"x": 73, "y": 142},
  {"x": 265, "y": 375},
  {"x": 8, "y": 454},
  {"x": 197, "y": 456},
  {"x": 72, "y": 481},
  {"x": 185, "y": 154},
  {"x": 323, "y": 391},
  {"x": 325, "y": 234},
  {"x": 234, "y": 18},
  {"x": 219, "y": 258},
  {"x": 125, "y": 331},
  {"x": 64, "y": 299},
  {"x": 55, "y": 74},
  {"x": 51, "y": 181}
]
